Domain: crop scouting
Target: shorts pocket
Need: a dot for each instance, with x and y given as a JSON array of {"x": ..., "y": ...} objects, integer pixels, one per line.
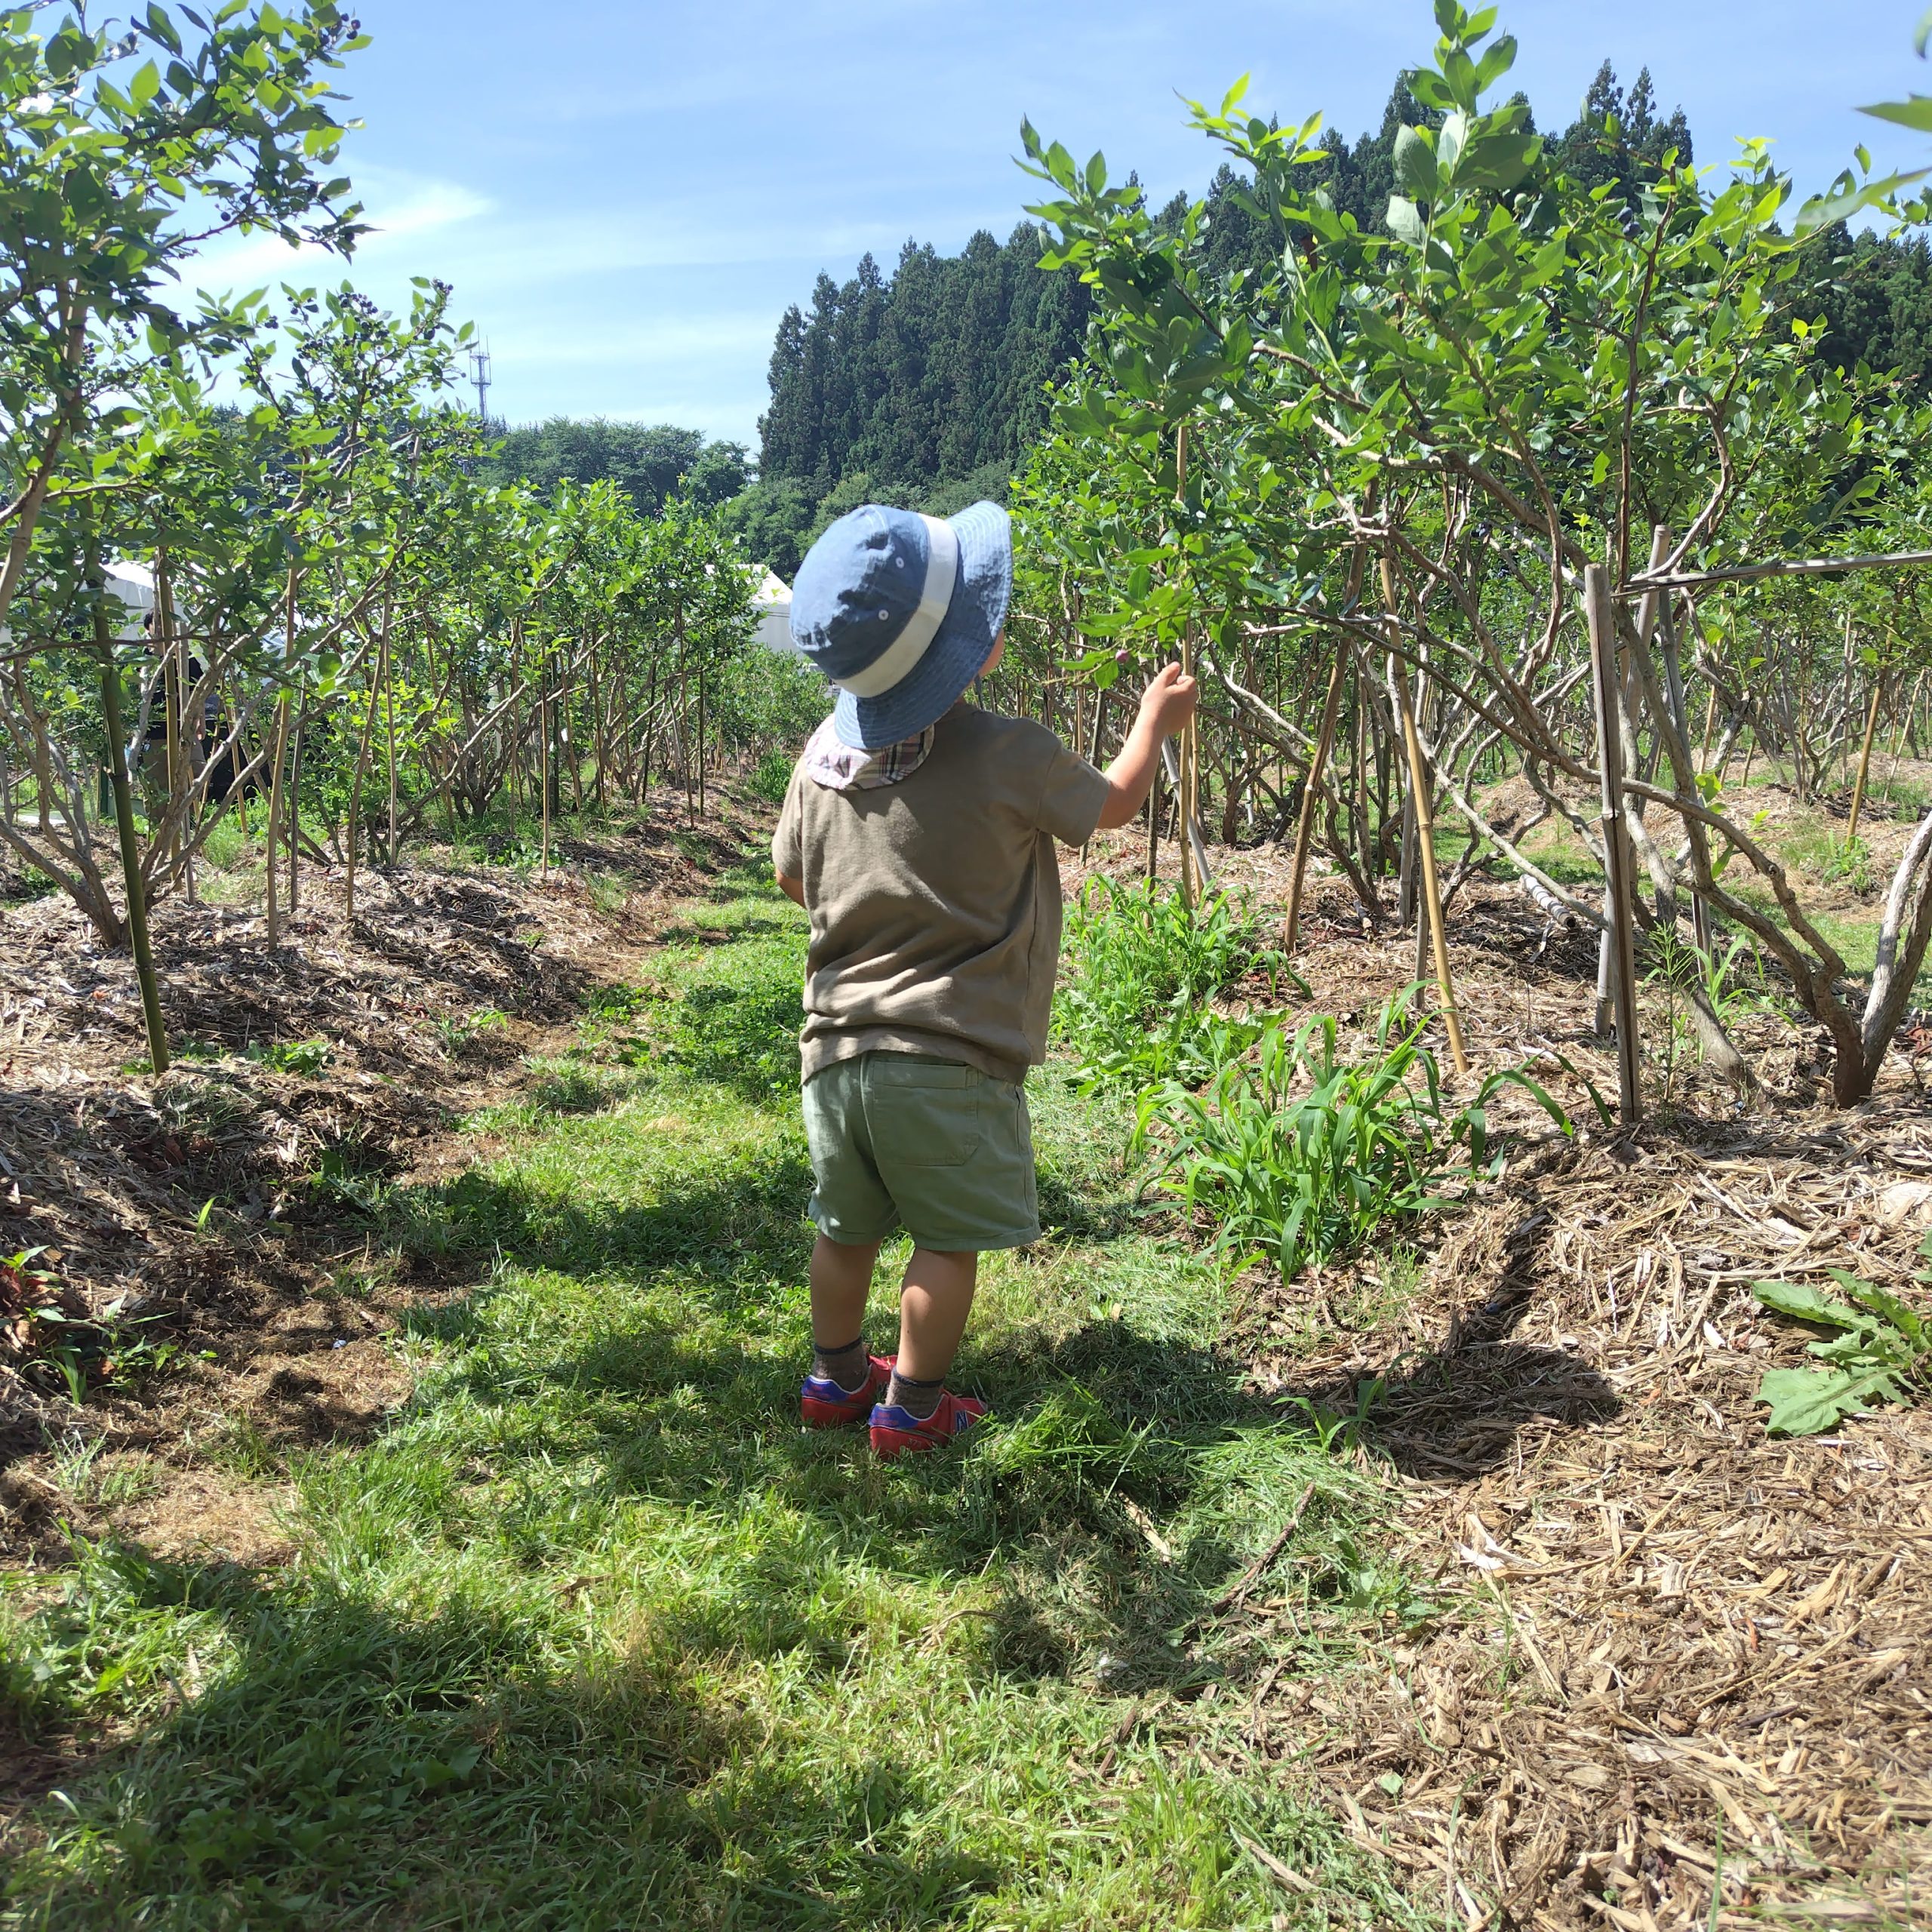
[{"x": 924, "y": 1113}]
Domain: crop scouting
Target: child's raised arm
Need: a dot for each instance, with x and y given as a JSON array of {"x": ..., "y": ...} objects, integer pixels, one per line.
[{"x": 1166, "y": 705}]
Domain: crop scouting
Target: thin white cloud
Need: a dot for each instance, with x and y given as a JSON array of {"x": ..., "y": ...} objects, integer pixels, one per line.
[{"x": 397, "y": 208}]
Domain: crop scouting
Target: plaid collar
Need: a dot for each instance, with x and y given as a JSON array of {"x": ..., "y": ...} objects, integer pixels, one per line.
[{"x": 839, "y": 767}]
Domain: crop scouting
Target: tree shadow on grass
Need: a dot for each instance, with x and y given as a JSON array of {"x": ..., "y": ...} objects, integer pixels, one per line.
[
  {"x": 735, "y": 1230},
  {"x": 344, "y": 1765},
  {"x": 1098, "y": 1437},
  {"x": 744, "y": 1038},
  {"x": 685, "y": 932}
]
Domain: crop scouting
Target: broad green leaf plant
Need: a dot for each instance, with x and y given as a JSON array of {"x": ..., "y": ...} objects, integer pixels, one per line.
[{"x": 1880, "y": 1351}]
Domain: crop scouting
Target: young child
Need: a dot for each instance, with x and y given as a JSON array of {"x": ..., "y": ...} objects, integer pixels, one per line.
[{"x": 919, "y": 833}]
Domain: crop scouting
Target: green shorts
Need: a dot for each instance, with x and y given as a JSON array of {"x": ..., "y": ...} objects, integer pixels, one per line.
[{"x": 932, "y": 1146}]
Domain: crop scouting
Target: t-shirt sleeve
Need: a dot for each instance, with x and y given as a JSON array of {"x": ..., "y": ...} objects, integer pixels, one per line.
[
  {"x": 1071, "y": 797},
  {"x": 787, "y": 854}
]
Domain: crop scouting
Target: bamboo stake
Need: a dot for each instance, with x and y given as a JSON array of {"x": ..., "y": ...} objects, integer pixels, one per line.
[
  {"x": 295, "y": 814},
  {"x": 1617, "y": 855},
  {"x": 282, "y": 714},
  {"x": 543, "y": 777},
  {"x": 124, "y": 812},
  {"x": 170, "y": 700},
  {"x": 1188, "y": 830},
  {"x": 1189, "y": 775},
  {"x": 361, "y": 769},
  {"x": 388, "y": 701},
  {"x": 1154, "y": 808},
  {"x": 176, "y": 647},
  {"x": 1421, "y": 784},
  {"x": 1905, "y": 726},
  {"x": 1331, "y": 708},
  {"x": 1865, "y": 757},
  {"x": 1700, "y": 912}
]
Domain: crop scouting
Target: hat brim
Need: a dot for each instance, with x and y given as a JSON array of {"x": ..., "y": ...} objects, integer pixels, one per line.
[{"x": 960, "y": 647}]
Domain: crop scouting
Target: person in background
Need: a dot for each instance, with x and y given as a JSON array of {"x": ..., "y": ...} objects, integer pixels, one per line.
[{"x": 918, "y": 832}]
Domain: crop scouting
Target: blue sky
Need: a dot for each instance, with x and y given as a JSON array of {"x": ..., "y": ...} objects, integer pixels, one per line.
[{"x": 626, "y": 197}]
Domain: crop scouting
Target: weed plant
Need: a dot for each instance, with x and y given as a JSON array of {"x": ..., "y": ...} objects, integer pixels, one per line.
[
  {"x": 1298, "y": 1154},
  {"x": 1877, "y": 1349},
  {"x": 1730, "y": 976},
  {"x": 772, "y": 777},
  {"x": 1142, "y": 968}
]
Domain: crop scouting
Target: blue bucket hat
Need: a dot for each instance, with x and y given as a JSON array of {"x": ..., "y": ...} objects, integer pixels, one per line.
[{"x": 900, "y": 611}]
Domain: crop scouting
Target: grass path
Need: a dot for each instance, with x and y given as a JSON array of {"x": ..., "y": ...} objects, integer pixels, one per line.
[{"x": 595, "y": 1635}]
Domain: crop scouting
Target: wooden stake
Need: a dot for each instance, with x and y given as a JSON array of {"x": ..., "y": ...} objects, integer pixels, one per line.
[
  {"x": 544, "y": 780},
  {"x": 170, "y": 700},
  {"x": 1187, "y": 829},
  {"x": 178, "y": 650},
  {"x": 1865, "y": 756},
  {"x": 282, "y": 714},
  {"x": 1617, "y": 855},
  {"x": 388, "y": 705},
  {"x": 1905, "y": 726},
  {"x": 1154, "y": 826},
  {"x": 1185, "y": 790},
  {"x": 1331, "y": 708},
  {"x": 1421, "y": 785},
  {"x": 361, "y": 768}
]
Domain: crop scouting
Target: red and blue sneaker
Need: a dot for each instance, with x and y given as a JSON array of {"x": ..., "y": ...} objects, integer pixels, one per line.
[
  {"x": 897, "y": 1432},
  {"x": 824, "y": 1405}
]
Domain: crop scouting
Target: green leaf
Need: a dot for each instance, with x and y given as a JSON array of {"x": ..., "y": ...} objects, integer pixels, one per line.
[
  {"x": 1459, "y": 72},
  {"x": 1805, "y": 1303},
  {"x": 1496, "y": 63},
  {"x": 1405, "y": 221},
  {"x": 1886, "y": 1305},
  {"x": 162, "y": 28},
  {"x": 1915, "y": 113},
  {"x": 1496, "y": 161},
  {"x": 1428, "y": 88},
  {"x": 66, "y": 51},
  {"x": 1807, "y": 1401},
  {"x": 1415, "y": 164}
]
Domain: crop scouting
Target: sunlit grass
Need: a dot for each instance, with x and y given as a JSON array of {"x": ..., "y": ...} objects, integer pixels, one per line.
[{"x": 594, "y": 1634}]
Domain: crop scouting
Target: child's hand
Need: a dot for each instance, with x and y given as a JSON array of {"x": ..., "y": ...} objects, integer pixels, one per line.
[{"x": 1168, "y": 702}]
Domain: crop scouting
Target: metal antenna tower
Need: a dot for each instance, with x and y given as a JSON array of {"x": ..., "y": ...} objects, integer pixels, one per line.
[{"x": 479, "y": 373}]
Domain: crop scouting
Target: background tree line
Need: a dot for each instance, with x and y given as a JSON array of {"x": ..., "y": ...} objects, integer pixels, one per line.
[{"x": 928, "y": 385}]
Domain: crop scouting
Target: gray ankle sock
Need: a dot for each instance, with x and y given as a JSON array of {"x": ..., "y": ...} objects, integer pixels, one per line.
[
  {"x": 847, "y": 1367},
  {"x": 916, "y": 1399}
]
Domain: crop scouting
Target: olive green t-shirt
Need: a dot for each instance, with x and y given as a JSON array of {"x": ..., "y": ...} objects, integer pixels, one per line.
[{"x": 935, "y": 902}]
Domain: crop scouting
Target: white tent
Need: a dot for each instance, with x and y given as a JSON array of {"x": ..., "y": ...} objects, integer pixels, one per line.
[
  {"x": 772, "y": 600},
  {"x": 131, "y": 586}
]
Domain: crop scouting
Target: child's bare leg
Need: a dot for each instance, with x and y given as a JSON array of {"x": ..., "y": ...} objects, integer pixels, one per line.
[
  {"x": 933, "y": 1304},
  {"x": 842, "y": 1277}
]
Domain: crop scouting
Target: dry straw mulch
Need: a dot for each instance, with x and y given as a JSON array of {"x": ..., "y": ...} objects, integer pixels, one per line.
[{"x": 1681, "y": 1659}]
